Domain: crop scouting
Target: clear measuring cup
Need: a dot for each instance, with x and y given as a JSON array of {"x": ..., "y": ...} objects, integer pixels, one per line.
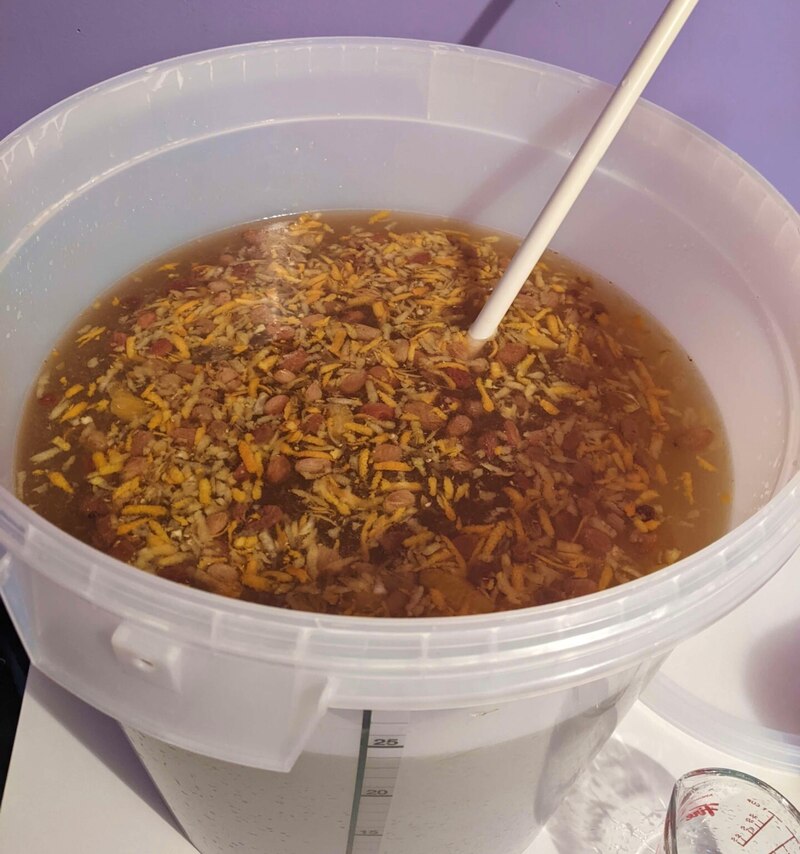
[
  {"x": 721, "y": 811},
  {"x": 627, "y": 803}
]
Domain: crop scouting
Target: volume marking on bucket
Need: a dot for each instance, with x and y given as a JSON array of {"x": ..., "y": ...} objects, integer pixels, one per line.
[{"x": 382, "y": 744}]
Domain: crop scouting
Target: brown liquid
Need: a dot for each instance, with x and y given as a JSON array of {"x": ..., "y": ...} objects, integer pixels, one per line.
[{"x": 576, "y": 509}]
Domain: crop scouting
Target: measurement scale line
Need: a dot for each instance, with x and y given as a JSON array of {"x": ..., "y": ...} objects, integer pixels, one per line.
[
  {"x": 758, "y": 831},
  {"x": 375, "y": 781},
  {"x": 366, "y": 719},
  {"x": 782, "y": 846}
]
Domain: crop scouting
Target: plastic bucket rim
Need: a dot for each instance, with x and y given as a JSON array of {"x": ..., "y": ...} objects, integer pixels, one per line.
[{"x": 687, "y": 574}]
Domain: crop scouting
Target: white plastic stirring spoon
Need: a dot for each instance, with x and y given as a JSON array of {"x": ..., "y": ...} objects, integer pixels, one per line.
[{"x": 584, "y": 163}]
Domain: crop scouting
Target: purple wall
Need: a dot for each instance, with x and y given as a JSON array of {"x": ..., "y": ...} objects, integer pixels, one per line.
[{"x": 734, "y": 71}]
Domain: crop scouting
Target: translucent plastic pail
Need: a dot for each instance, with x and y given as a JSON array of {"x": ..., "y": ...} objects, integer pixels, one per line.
[{"x": 251, "y": 719}]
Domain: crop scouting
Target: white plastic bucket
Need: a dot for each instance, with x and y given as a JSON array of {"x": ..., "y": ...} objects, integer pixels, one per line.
[{"x": 499, "y": 711}]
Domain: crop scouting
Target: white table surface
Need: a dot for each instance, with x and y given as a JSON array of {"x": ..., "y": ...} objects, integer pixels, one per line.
[{"x": 76, "y": 787}]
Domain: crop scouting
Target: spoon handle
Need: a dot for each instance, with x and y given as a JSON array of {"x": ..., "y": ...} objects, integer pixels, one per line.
[{"x": 583, "y": 164}]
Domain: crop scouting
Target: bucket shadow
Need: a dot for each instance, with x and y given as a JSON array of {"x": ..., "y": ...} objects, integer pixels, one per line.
[
  {"x": 616, "y": 807},
  {"x": 771, "y": 678},
  {"x": 104, "y": 738}
]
